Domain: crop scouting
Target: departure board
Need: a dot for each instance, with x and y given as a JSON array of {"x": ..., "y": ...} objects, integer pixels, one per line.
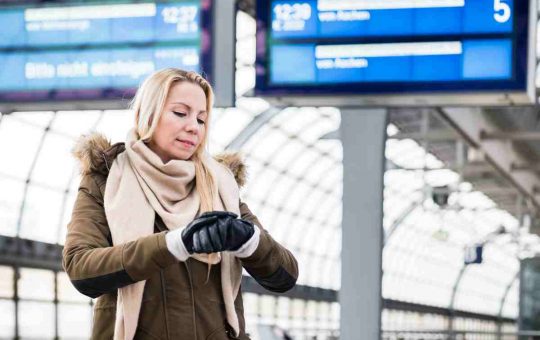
[
  {"x": 98, "y": 50},
  {"x": 100, "y": 24},
  {"x": 392, "y": 46}
]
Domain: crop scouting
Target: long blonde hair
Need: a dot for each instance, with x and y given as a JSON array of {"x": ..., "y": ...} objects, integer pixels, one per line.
[{"x": 148, "y": 105}]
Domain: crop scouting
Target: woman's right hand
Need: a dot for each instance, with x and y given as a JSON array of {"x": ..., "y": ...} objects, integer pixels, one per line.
[{"x": 216, "y": 231}]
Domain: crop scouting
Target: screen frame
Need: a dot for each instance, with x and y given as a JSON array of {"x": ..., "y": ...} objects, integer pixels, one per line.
[
  {"x": 518, "y": 91},
  {"x": 120, "y": 97}
]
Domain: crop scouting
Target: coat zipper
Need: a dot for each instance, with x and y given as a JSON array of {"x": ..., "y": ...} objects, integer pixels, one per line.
[
  {"x": 164, "y": 298},
  {"x": 192, "y": 299}
]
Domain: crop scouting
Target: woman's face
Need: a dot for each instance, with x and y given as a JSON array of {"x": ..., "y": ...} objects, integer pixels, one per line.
[{"x": 181, "y": 128}]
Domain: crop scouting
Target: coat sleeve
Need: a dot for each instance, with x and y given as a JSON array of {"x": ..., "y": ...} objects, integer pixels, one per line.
[
  {"x": 271, "y": 265},
  {"x": 94, "y": 266}
]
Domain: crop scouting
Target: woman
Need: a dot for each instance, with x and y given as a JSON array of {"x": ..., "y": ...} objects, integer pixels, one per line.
[{"x": 155, "y": 233}]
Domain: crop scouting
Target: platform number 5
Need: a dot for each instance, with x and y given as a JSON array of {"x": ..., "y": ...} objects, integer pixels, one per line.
[{"x": 502, "y": 11}]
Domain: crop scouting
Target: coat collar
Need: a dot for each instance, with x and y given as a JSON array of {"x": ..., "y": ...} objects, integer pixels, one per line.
[{"x": 95, "y": 153}]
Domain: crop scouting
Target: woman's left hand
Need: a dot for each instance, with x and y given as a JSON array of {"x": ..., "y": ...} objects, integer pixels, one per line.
[{"x": 226, "y": 234}]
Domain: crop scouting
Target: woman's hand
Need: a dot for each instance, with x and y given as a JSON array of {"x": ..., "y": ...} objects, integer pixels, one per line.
[{"x": 216, "y": 231}]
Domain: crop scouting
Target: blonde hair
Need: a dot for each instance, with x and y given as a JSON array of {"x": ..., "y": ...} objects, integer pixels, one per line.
[{"x": 148, "y": 105}]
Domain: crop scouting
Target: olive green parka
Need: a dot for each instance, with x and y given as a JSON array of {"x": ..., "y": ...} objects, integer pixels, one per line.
[{"x": 178, "y": 301}]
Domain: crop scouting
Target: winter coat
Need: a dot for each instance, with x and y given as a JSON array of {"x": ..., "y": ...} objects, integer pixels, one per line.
[{"x": 177, "y": 302}]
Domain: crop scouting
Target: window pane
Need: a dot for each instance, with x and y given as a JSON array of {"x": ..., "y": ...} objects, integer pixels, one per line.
[
  {"x": 16, "y": 161},
  {"x": 7, "y": 321},
  {"x": 115, "y": 125},
  {"x": 66, "y": 291},
  {"x": 74, "y": 321},
  {"x": 511, "y": 303},
  {"x": 10, "y": 204},
  {"x": 41, "y": 216},
  {"x": 75, "y": 123},
  {"x": 56, "y": 151},
  {"x": 6, "y": 282},
  {"x": 36, "y": 284},
  {"x": 231, "y": 122},
  {"x": 36, "y": 118},
  {"x": 36, "y": 320},
  {"x": 68, "y": 209}
]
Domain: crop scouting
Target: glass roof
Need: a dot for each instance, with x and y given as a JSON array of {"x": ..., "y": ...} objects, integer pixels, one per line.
[
  {"x": 424, "y": 254},
  {"x": 295, "y": 188}
]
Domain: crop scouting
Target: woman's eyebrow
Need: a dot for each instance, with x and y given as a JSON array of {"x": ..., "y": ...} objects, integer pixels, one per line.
[{"x": 180, "y": 103}]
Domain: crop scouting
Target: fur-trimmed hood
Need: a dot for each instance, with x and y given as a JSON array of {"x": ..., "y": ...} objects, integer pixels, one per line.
[{"x": 95, "y": 153}]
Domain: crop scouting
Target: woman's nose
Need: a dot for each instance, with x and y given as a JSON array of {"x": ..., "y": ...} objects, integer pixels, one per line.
[{"x": 192, "y": 126}]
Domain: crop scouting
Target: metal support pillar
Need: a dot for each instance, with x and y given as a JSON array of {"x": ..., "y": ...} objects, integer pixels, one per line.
[
  {"x": 363, "y": 134},
  {"x": 16, "y": 277}
]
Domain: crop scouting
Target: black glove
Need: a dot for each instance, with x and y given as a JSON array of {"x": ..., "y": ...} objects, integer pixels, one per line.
[{"x": 216, "y": 231}]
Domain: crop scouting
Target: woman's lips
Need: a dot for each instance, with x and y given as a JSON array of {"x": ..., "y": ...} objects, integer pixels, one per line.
[{"x": 186, "y": 143}]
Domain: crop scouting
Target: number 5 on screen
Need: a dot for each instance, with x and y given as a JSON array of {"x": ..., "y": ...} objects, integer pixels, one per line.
[{"x": 502, "y": 11}]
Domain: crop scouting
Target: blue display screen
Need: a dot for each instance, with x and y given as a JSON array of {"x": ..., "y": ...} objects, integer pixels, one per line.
[
  {"x": 99, "y": 48},
  {"x": 99, "y": 24},
  {"x": 110, "y": 68},
  {"x": 425, "y": 61},
  {"x": 355, "y": 18},
  {"x": 387, "y": 46}
]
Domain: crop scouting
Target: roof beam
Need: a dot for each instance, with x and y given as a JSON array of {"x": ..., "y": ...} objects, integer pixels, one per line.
[
  {"x": 467, "y": 168},
  {"x": 408, "y": 306},
  {"x": 493, "y": 190},
  {"x": 399, "y": 221},
  {"x": 19, "y": 252},
  {"x": 510, "y": 135},
  {"x": 469, "y": 123},
  {"x": 252, "y": 128},
  {"x": 441, "y": 135},
  {"x": 525, "y": 167}
]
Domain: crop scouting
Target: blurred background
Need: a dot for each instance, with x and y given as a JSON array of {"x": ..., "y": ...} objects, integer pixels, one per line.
[{"x": 459, "y": 197}]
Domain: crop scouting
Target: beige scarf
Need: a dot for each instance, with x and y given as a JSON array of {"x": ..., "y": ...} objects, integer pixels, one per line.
[{"x": 140, "y": 185}]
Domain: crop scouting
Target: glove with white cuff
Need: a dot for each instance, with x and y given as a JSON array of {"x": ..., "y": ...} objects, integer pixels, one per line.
[{"x": 213, "y": 232}]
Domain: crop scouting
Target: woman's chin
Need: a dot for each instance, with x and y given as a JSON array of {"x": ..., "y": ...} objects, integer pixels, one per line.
[{"x": 184, "y": 156}]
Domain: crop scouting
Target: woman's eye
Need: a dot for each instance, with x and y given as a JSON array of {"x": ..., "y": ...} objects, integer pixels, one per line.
[
  {"x": 202, "y": 122},
  {"x": 181, "y": 114}
]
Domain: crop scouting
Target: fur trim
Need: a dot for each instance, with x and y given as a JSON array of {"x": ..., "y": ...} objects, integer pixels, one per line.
[
  {"x": 90, "y": 151},
  {"x": 96, "y": 154},
  {"x": 235, "y": 162}
]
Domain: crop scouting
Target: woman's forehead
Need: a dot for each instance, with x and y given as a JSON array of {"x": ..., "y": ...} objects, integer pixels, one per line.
[{"x": 187, "y": 94}]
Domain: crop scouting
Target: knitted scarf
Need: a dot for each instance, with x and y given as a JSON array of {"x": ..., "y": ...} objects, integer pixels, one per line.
[{"x": 139, "y": 185}]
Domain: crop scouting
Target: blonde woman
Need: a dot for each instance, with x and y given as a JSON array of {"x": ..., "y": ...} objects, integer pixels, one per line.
[{"x": 158, "y": 233}]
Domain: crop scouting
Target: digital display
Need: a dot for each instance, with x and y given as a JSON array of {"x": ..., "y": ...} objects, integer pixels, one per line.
[
  {"x": 115, "y": 68},
  {"x": 350, "y": 18},
  {"x": 391, "y": 46},
  {"x": 411, "y": 62},
  {"x": 99, "y": 24},
  {"x": 103, "y": 49}
]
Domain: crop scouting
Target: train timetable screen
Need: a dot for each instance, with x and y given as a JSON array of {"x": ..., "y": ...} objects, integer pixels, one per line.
[
  {"x": 90, "y": 51},
  {"x": 373, "y": 46}
]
